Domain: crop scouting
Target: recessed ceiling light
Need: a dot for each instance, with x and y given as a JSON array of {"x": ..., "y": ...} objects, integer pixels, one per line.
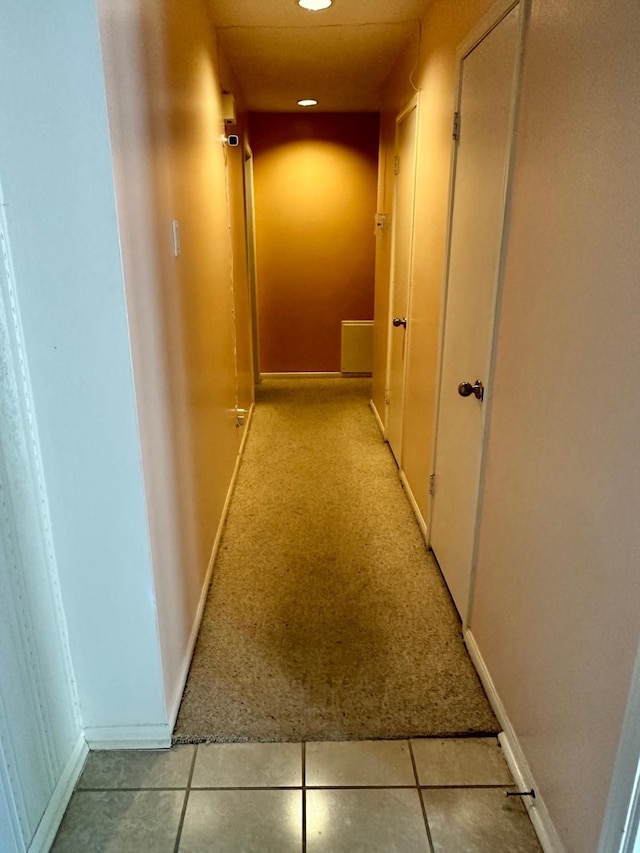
[
  {"x": 307, "y": 102},
  {"x": 315, "y": 5}
]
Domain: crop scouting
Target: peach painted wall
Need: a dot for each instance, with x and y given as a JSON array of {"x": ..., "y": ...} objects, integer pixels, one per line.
[
  {"x": 315, "y": 181},
  {"x": 163, "y": 87},
  {"x": 557, "y": 600},
  {"x": 557, "y": 607}
]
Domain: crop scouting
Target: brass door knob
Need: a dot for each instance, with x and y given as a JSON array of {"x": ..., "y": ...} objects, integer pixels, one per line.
[{"x": 466, "y": 389}]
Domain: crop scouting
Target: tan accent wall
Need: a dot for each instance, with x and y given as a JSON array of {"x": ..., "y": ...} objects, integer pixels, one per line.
[
  {"x": 315, "y": 181},
  {"x": 163, "y": 88}
]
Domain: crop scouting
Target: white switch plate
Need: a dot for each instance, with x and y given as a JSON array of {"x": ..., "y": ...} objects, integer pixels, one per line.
[
  {"x": 175, "y": 229},
  {"x": 380, "y": 224}
]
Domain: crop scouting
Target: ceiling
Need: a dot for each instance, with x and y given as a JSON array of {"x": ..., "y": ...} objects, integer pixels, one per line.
[{"x": 341, "y": 56}]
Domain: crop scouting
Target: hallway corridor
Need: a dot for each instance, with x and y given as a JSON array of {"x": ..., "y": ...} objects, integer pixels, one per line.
[
  {"x": 326, "y": 618},
  {"x": 197, "y": 192}
]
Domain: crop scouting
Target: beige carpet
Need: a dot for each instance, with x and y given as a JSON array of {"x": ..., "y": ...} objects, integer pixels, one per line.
[{"x": 326, "y": 619}]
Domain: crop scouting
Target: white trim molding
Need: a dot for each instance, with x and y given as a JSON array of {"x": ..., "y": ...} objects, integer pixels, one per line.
[
  {"x": 11, "y": 836},
  {"x": 383, "y": 431},
  {"x": 52, "y": 818},
  {"x": 621, "y": 826},
  {"x": 155, "y": 736},
  {"x": 34, "y": 647},
  {"x": 515, "y": 757},
  {"x": 302, "y": 375},
  {"x": 413, "y": 503}
]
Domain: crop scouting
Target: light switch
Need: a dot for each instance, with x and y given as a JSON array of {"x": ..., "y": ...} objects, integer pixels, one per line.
[
  {"x": 380, "y": 224},
  {"x": 175, "y": 228}
]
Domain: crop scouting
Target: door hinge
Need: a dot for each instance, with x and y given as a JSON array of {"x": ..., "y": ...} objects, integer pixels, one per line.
[
  {"x": 432, "y": 483},
  {"x": 396, "y": 165},
  {"x": 386, "y": 396},
  {"x": 456, "y": 126}
]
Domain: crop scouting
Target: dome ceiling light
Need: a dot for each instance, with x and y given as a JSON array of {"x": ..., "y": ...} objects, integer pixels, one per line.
[
  {"x": 315, "y": 5},
  {"x": 307, "y": 102}
]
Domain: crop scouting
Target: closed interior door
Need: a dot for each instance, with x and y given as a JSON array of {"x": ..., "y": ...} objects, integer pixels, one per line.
[
  {"x": 484, "y": 134},
  {"x": 404, "y": 166}
]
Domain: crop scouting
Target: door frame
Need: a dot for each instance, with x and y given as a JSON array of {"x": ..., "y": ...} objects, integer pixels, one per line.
[
  {"x": 413, "y": 103},
  {"x": 621, "y": 825},
  {"x": 252, "y": 272},
  {"x": 482, "y": 29}
]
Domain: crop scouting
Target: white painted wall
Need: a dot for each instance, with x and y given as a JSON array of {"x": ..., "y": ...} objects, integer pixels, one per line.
[
  {"x": 55, "y": 167},
  {"x": 557, "y": 606}
]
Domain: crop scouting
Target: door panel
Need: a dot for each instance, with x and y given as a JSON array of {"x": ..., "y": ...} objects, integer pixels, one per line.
[
  {"x": 474, "y": 257},
  {"x": 401, "y": 274}
]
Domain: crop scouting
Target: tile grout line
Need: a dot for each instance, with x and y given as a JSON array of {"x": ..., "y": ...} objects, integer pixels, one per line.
[
  {"x": 492, "y": 787},
  {"x": 426, "y": 820},
  {"x": 304, "y": 797},
  {"x": 421, "y": 798},
  {"x": 389, "y": 787},
  {"x": 198, "y": 788},
  {"x": 186, "y": 800}
]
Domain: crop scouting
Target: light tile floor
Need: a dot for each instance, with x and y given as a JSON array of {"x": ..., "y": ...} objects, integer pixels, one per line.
[{"x": 418, "y": 796}]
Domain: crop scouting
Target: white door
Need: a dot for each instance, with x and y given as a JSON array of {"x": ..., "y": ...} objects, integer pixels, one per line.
[
  {"x": 404, "y": 167},
  {"x": 484, "y": 138}
]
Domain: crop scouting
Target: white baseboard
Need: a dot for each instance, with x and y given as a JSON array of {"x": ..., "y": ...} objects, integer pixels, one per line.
[
  {"x": 174, "y": 706},
  {"x": 153, "y": 736},
  {"x": 301, "y": 375},
  {"x": 383, "y": 431},
  {"x": 242, "y": 444},
  {"x": 422, "y": 524},
  {"x": 515, "y": 757},
  {"x": 621, "y": 826},
  {"x": 52, "y": 817}
]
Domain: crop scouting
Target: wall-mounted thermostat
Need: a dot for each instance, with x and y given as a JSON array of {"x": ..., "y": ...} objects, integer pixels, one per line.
[{"x": 228, "y": 108}]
